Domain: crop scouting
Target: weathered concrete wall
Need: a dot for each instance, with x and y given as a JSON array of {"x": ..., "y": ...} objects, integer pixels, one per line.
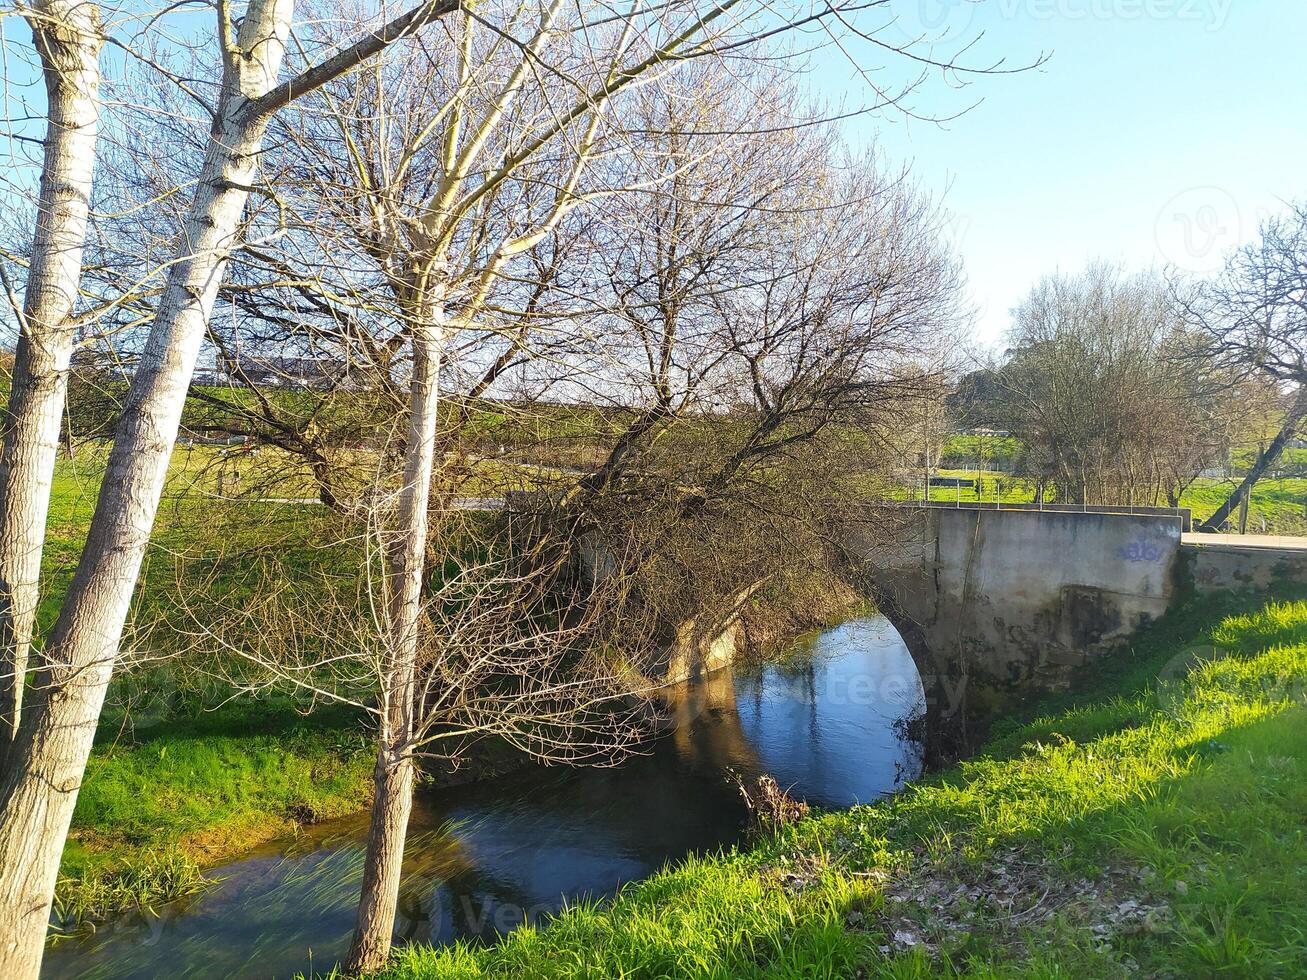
[
  {"x": 1213, "y": 565},
  {"x": 1036, "y": 593},
  {"x": 997, "y": 605},
  {"x": 697, "y": 652}
]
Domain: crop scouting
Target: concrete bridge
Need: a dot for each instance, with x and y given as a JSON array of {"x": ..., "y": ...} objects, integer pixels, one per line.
[{"x": 997, "y": 603}]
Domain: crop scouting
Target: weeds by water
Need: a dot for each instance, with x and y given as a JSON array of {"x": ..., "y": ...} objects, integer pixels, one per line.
[
  {"x": 769, "y": 806},
  {"x": 80, "y": 902}
]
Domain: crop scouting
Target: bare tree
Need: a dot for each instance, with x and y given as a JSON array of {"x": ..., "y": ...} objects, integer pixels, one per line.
[
  {"x": 1097, "y": 388},
  {"x": 68, "y": 37},
  {"x": 443, "y": 193},
  {"x": 769, "y": 328},
  {"x": 1253, "y": 316}
]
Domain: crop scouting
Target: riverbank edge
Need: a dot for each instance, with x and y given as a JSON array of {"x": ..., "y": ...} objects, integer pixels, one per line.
[
  {"x": 1149, "y": 823},
  {"x": 295, "y": 771}
]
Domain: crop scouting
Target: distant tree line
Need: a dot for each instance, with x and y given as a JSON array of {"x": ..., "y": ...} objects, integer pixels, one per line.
[{"x": 1122, "y": 389}]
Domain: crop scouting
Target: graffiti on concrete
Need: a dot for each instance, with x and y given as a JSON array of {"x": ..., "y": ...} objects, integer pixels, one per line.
[{"x": 1142, "y": 549}]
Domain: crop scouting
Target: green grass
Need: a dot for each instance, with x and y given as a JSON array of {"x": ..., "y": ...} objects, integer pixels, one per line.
[
  {"x": 162, "y": 802},
  {"x": 1153, "y": 824},
  {"x": 1276, "y": 506},
  {"x": 1279, "y": 505},
  {"x": 180, "y": 777},
  {"x": 967, "y": 450},
  {"x": 1292, "y": 462}
]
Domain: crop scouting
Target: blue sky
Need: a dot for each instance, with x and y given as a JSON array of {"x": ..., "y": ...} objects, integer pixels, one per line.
[{"x": 1159, "y": 132}]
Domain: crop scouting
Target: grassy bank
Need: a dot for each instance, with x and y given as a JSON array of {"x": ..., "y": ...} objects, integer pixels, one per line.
[
  {"x": 181, "y": 777},
  {"x": 1154, "y": 824},
  {"x": 160, "y": 804}
]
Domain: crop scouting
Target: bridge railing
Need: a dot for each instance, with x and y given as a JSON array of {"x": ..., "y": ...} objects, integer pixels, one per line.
[{"x": 1183, "y": 513}]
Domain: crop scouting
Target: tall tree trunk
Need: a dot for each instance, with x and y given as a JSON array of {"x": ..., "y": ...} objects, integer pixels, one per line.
[
  {"x": 39, "y": 787},
  {"x": 406, "y": 573},
  {"x": 1265, "y": 460},
  {"x": 68, "y": 38},
  {"x": 387, "y": 832}
]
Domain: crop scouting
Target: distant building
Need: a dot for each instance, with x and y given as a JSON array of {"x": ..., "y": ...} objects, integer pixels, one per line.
[{"x": 277, "y": 371}]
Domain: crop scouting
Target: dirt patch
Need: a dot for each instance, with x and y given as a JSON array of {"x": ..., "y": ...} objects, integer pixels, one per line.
[{"x": 935, "y": 907}]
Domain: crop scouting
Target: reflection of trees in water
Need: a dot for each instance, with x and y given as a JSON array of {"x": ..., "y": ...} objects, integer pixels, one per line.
[
  {"x": 540, "y": 833},
  {"x": 586, "y": 829},
  {"x": 653, "y": 804},
  {"x": 829, "y": 715},
  {"x": 431, "y": 858},
  {"x": 810, "y": 695},
  {"x": 708, "y": 734}
]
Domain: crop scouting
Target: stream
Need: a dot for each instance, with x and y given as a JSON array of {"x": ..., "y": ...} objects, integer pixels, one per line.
[{"x": 484, "y": 858}]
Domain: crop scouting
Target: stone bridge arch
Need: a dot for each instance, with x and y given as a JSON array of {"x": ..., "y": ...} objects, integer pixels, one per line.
[{"x": 997, "y": 605}]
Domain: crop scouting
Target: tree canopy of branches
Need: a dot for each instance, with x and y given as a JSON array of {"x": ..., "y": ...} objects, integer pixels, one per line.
[
  {"x": 1252, "y": 318},
  {"x": 773, "y": 309},
  {"x": 1097, "y": 387}
]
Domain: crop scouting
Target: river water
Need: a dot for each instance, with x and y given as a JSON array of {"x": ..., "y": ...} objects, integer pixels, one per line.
[{"x": 484, "y": 858}]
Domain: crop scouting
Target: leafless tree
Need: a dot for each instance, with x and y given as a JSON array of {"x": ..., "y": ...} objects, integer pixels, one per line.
[
  {"x": 68, "y": 37},
  {"x": 770, "y": 329},
  {"x": 440, "y": 193},
  {"x": 1253, "y": 317},
  {"x": 1097, "y": 388}
]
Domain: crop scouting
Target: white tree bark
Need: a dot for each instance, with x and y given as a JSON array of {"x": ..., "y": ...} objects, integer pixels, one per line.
[
  {"x": 68, "y": 38},
  {"x": 406, "y": 572},
  {"x": 45, "y": 769}
]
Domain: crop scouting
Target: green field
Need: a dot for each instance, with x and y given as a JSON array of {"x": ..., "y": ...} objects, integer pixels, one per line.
[
  {"x": 1151, "y": 827},
  {"x": 961, "y": 451},
  {"x": 1276, "y": 506}
]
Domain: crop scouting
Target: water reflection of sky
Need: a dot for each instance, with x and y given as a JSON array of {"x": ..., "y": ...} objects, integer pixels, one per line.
[
  {"x": 824, "y": 724},
  {"x": 484, "y": 858}
]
